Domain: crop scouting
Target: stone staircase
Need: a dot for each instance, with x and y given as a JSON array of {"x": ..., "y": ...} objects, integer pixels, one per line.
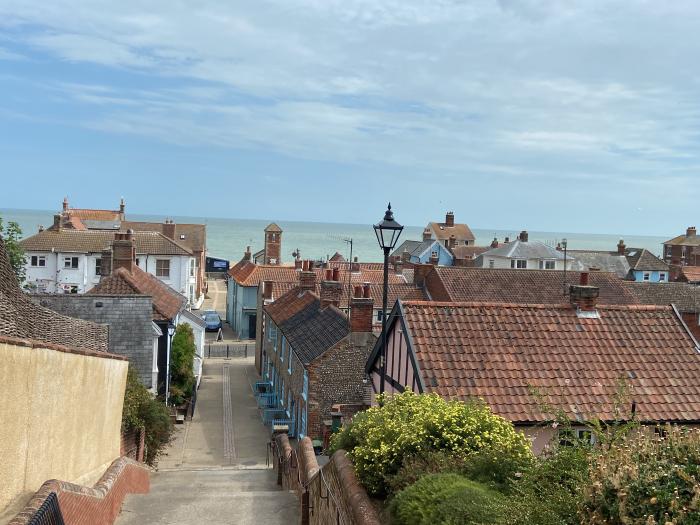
[{"x": 212, "y": 496}]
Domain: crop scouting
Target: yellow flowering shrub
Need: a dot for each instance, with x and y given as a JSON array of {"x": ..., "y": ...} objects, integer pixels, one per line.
[{"x": 381, "y": 438}]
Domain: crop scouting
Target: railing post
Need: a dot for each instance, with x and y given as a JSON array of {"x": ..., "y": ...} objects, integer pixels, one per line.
[
  {"x": 305, "y": 507},
  {"x": 227, "y": 351}
]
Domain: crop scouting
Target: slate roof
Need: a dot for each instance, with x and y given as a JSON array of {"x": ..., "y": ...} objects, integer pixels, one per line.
[
  {"x": 691, "y": 273},
  {"x": 21, "y": 319},
  {"x": 501, "y": 352},
  {"x": 414, "y": 248},
  {"x": 519, "y": 286},
  {"x": 604, "y": 261},
  {"x": 686, "y": 297},
  {"x": 94, "y": 241},
  {"x": 195, "y": 234},
  {"x": 644, "y": 260},
  {"x": 518, "y": 249},
  {"x": 196, "y": 319},
  {"x": 443, "y": 232},
  {"x": 167, "y": 303},
  {"x": 684, "y": 240}
]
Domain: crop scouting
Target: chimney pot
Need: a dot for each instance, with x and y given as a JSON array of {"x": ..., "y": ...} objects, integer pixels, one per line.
[
  {"x": 583, "y": 280},
  {"x": 357, "y": 293},
  {"x": 366, "y": 290}
]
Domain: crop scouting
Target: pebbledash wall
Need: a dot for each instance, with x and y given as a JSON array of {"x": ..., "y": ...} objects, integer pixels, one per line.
[{"x": 61, "y": 416}]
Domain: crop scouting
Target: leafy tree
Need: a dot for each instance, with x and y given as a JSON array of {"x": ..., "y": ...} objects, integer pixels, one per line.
[
  {"x": 11, "y": 235},
  {"x": 181, "y": 364},
  {"x": 144, "y": 412},
  {"x": 382, "y": 438}
]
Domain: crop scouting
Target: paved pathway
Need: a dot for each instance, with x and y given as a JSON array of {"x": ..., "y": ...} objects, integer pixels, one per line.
[{"x": 215, "y": 471}]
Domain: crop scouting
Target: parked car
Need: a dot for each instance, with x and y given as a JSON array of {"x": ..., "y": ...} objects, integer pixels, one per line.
[{"x": 212, "y": 320}]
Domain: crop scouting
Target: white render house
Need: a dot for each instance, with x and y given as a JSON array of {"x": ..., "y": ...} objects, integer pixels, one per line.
[
  {"x": 70, "y": 261},
  {"x": 523, "y": 254}
]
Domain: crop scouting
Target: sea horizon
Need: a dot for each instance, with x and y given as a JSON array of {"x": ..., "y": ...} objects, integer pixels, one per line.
[{"x": 228, "y": 238}]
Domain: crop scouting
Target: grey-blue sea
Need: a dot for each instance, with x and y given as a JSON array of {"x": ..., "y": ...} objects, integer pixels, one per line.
[{"x": 228, "y": 238}]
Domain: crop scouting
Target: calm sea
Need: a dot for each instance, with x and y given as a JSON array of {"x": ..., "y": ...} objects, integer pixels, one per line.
[{"x": 228, "y": 238}]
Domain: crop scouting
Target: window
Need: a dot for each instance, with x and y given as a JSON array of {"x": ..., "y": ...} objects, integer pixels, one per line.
[
  {"x": 38, "y": 260},
  {"x": 520, "y": 264},
  {"x": 302, "y": 425},
  {"x": 646, "y": 276},
  {"x": 70, "y": 263},
  {"x": 662, "y": 276},
  {"x": 162, "y": 267},
  {"x": 289, "y": 369},
  {"x": 305, "y": 391},
  {"x": 379, "y": 316},
  {"x": 568, "y": 437},
  {"x": 192, "y": 267},
  {"x": 547, "y": 265},
  {"x": 492, "y": 263},
  {"x": 138, "y": 261},
  {"x": 283, "y": 348},
  {"x": 98, "y": 266}
]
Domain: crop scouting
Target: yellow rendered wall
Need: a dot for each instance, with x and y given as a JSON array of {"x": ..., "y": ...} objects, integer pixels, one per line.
[{"x": 60, "y": 418}]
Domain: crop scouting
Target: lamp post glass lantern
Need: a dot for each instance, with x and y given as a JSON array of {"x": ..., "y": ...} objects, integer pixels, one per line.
[{"x": 388, "y": 232}]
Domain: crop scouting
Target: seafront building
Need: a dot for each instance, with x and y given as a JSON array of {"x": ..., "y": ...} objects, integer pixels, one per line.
[{"x": 66, "y": 257}]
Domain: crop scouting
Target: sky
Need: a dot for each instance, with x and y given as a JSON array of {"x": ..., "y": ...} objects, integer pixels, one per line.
[{"x": 515, "y": 114}]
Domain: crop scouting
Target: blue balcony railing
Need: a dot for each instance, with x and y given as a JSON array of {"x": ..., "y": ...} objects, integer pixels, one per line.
[{"x": 271, "y": 414}]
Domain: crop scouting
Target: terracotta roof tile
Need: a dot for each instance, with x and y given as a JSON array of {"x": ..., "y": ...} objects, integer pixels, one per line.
[
  {"x": 519, "y": 286},
  {"x": 505, "y": 353},
  {"x": 167, "y": 303},
  {"x": 691, "y": 273},
  {"x": 686, "y": 297},
  {"x": 195, "y": 234},
  {"x": 94, "y": 215},
  {"x": 443, "y": 232},
  {"x": 94, "y": 241}
]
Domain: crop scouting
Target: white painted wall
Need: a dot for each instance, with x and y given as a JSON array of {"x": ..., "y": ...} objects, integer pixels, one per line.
[{"x": 532, "y": 264}]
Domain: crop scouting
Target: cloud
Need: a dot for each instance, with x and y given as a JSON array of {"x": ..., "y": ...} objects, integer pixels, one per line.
[{"x": 533, "y": 88}]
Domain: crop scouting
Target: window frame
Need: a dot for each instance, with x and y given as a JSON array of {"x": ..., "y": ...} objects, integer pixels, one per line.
[
  {"x": 160, "y": 272},
  {"x": 71, "y": 263},
  {"x": 305, "y": 386},
  {"x": 98, "y": 266},
  {"x": 37, "y": 261},
  {"x": 646, "y": 276},
  {"x": 515, "y": 264}
]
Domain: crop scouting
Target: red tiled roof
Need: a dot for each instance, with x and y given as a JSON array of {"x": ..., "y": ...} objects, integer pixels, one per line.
[
  {"x": 691, "y": 273},
  {"x": 443, "y": 232},
  {"x": 167, "y": 303},
  {"x": 94, "y": 215},
  {"x": 290, "y": 304},
  {"x": 519, "y": 286},
  {"x": 508, "y": 354},
  {"x": 468, "y": 252}
]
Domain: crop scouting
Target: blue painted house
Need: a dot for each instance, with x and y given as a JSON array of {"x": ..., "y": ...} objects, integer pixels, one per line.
[
  {"x": 646, "y": 267},
  {"x": 423, "y": 251}
]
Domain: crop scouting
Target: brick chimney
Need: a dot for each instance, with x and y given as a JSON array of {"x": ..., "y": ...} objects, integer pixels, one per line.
[
  {"x": 307, "y": 276},
  {"x": 124, "y": 251},
  {"x": 583, "y": 295},
  {"x": 405, "y": 256},
  {"x": 267, "y": 290},
  {"x": 361, "y": 309},
  {"x": 297, "y": 264},
  {"x": 523, "y": 237},
  {"x": 450, "y": 219},
  {"x": 331, "y": 289},
  {"x": 621, "y": 247},
  {"x": 355, "y": 266},
  {"x": 247, "y": 256},
  {"x": 691, "y": 231},
  {"x": 398, "y": 266},
  {"x": 105, "y": 263},
  {"x": 65, "y": 204},
  {"x": 169, "y": 229},
  {"x": 427, "y": 234},
  {"x": 57, "y": 222},
  {"x": 420, "y": 271},
  {"x": 122, "y": 209},
  {"x": 494, "y": 243}
]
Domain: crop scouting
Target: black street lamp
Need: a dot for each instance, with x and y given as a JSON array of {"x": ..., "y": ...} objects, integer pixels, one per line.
[
  {"x": 171, "y": 333},
  {"x": 388, "y": 232}
]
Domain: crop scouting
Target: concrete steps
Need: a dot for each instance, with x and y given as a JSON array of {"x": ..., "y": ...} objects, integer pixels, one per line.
[{"x": 212, "y": 497}]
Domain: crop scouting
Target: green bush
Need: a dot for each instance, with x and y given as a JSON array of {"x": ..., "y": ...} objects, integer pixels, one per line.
[
  {"x": 182, "y": 354},
  {"x": 408, "y": 424},
  {"x": 448, "y": 499},
  {"x": 143, "y": 411},
  {"x": 550, "y": 490},
  {"x": 646, "y": 479}
]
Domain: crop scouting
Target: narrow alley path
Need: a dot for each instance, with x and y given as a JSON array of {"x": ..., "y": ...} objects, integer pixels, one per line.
[{"x": 215, "y": 470}]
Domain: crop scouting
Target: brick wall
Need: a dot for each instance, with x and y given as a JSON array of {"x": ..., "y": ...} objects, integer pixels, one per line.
[
  {"x": 128, "y": 317},
  {"x": 133, "y": 444},
  {"x": 337, "y": 378},
  {"x": 98, "y": 505},
  {"x": 331, "y": 494}
]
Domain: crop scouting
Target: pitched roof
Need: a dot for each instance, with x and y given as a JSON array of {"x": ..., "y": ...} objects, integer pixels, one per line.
[
  {"x": 167, "y": 303},
  {"x": 691, "y": 273},
  {"x": 21, "y": 319},
  {"x": 94, "y": 241},
  {"x": 508, "y": 354},
  {"x": 644, "y": 260},
  {"x": 272, "y": 227},
  {"x": 195, "y": 235},
  {"x": 468, "y": 252},
  {"x": 289, "y": 304},
  {"x": 337, "y": 257},
  {"x": 518, "y": 249},
  {"x": 584, "y": 260},
  {"x": 684, "y": 296},
  {"x": 94, "y": 215},
  {"x": 443, "y": 232},
  {"x": 684, "y": 240},
  {"x": 519, "y": 286}
]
